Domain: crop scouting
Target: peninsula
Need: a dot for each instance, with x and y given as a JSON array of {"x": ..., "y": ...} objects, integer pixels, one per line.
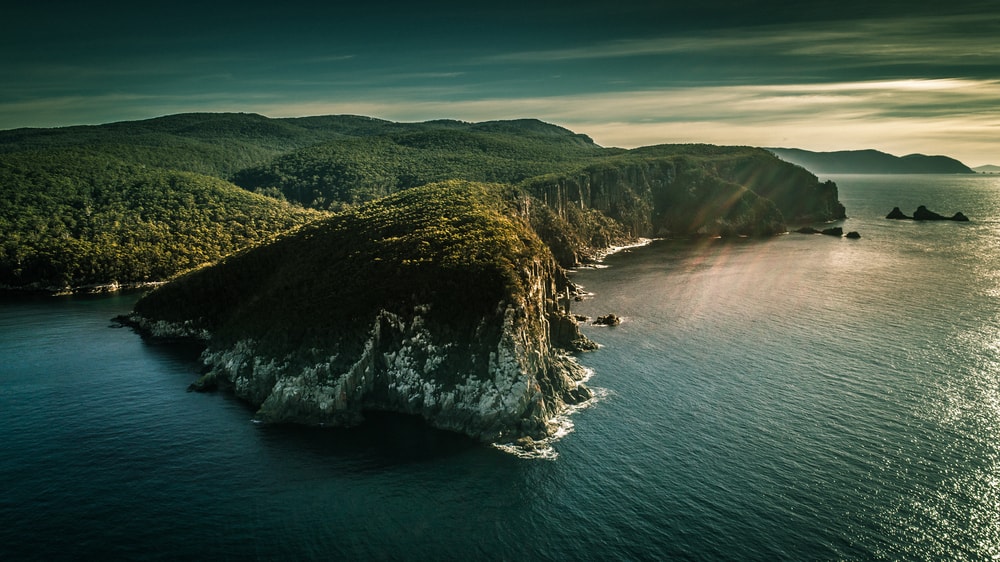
[
  {"x": 337, "y": 265},
  {"x": 870, "y": 162}
]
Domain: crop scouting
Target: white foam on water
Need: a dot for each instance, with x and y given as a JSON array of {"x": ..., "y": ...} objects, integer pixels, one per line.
[
  {"x": 610, "y": 250},
  {"x": 561, "y": 426}
]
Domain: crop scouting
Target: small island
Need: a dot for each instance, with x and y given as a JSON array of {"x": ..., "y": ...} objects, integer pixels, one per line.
[{"x": 924, "y": 214}]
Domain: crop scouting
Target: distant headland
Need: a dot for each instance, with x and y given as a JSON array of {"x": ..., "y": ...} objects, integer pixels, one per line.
[{"x": 870, "y": 162}]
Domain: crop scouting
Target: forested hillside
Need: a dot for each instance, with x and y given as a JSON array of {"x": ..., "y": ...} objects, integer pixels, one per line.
[
  {"x": 437, "y": 301},
  {"x": 353, "y": 170},
  {"x": 71, "y": 219},
  {"x": 141, "y": 201},
  {"x": 870, "y": 162},
  {"x": 452, "y": 243}
]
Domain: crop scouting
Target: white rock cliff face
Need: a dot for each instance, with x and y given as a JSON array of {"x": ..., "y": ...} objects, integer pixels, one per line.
[{"x": 493, "y": 388}]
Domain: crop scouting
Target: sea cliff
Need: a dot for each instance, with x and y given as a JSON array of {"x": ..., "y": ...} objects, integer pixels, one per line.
[
  {"x": 439, "y": 301},
  {"x": 676, "y": 191}
]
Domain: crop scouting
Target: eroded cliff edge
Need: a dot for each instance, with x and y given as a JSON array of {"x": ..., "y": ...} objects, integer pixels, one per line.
[
  {"x": 438, "y": 301},
  {"x": 443, "y": 301},
  {"x": 676, "y": 191}
]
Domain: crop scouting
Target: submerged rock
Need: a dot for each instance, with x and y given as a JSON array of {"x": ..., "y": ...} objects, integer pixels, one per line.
[
  {"x": 854, "y": 235},
  {"x": 834, "y": 231}
]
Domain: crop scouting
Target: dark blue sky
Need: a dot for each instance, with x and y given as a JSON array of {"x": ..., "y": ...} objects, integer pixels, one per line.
[{"x": 898, "y": 76}]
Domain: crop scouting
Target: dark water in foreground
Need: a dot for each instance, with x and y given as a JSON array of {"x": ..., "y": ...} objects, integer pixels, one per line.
[{"x": 796, "y": 398}]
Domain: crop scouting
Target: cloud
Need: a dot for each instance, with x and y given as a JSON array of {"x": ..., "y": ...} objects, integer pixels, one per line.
[
  {"x": 958, "y": 117},
  {"x": 954, "y": 116},
  {"x": 956, "y": 41}
]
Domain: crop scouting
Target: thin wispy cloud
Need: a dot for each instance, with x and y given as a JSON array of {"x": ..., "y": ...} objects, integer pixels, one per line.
[
  {"x": 899, "y": 116},
  {"x": 859, "y": 74},
  {"x": 888, "y": 41},
  {"x": 831, "y": 117}
]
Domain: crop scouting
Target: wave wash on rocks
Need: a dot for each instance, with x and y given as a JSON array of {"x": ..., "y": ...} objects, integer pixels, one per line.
[{"x": 439, "y": 301}]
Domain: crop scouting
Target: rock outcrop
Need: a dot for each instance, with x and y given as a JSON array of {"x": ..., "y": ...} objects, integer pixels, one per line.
[
  {"x": 924, "y": 214},
  {"x": 897, "y": 214},
  {"x": 608, "y": 320},
  {"x": 835, "y": 231},
  {"x": 433, "y": 302}
]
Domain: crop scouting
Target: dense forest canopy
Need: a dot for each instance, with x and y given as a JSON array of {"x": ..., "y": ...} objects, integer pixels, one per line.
[
  {"x": 456, "y": 244},
  {"x": 72, "y": 218},
  {"x": 354, "y": 170},
  {"x": 141, "y": 201},
  {"x": 870, "y": 162}
]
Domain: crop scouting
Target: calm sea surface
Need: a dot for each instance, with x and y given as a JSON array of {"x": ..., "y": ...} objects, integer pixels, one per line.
[{"x": 798, "y": 398}]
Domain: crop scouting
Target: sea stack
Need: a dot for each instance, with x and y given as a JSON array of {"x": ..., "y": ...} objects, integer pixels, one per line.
[
  {"x": 897, "y": 214},
  {"x": 924, "y": 214}
]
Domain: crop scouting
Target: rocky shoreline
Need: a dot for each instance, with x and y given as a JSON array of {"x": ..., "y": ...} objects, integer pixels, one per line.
[
  {"x": 93, "y": 289},
  {"x": 527, "y": 382},
  {"x": 497, "y": 368}
]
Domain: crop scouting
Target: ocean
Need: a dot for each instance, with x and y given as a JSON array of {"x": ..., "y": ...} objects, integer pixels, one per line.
[{"x": 800, "y": 397}]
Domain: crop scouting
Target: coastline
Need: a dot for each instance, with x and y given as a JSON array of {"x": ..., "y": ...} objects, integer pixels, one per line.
[
  {"x": 91, "y": 289},
  {"x": 599, "y": 256}
]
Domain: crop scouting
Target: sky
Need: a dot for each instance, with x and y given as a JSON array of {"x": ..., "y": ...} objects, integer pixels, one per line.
[{"x": 903, "y": 77}]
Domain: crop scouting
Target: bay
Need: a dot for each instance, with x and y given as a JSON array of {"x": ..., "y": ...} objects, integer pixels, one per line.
[{"x": 799, "y": 397}]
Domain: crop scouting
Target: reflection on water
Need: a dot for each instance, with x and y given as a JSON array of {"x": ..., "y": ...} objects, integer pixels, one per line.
[
  {"x": 840, "y": 390},
  {"x": 795, "y": 398},
  {"x": 952, "y": 512}
]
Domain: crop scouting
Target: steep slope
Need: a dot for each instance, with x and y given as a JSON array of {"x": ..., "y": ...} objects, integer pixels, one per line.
[
  {"x": 437, "y": 301},
  {"x": 676, "y": 190}
]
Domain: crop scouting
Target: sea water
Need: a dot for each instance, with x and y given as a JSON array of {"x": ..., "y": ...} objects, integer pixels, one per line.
[{"x": 799, "y": 397}]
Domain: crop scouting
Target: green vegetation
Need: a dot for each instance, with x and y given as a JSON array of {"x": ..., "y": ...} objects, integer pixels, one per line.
[
  {"x": 71, "y": 218},
  {"x": 795, "y": 191},
  {"x": 140, "y": 201},
  {"x": 355, "y": 170},
  {"x": 870, "y": 162},
  {"x": 455, "y": 247},
  {"x": 215, "y": 144}
]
